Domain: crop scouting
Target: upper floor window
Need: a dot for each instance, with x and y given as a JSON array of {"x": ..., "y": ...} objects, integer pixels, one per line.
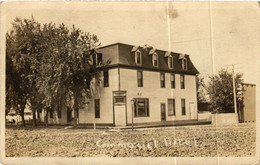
[
  {"x": 97, "y": 108},
  {"x": 106, "y": 78},
  {"x": 172, "y": 80},
  {"x": 139, "y": 78},
  {"x": 97, "y": 58},
  {"x": 138, "y": 57},
  {"x": 170, "y": 62},
  {"x": 184, "y": 64},
  {"x": 182, "y": 82},
  {"x": 155, "y": 59},
  {"x": 162, "y": 78},
  {"x": 141, "y": 107}
]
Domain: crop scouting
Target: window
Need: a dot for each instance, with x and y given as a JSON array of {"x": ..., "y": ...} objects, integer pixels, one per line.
[
  {"x": 172, "y": 80},
  {"x": 106, "y": 80},
  {"x": 155, "y": 59},
  {"x": 138, "y": 57},
  {"x": 182, "y": 82},
  {"x": 183, "y": 108},
  {"x": 51, "y": 114},
  {"x": 171, "y": 107},
  {"x": 97, "y": 108},
  {"x": 184, "y": 64},
  {"x": 170, "y": 62},
  {"x": 141, "y": 108},
  {"x": 139, "y": 78},
  {"x": 162, "y": 78},
  {"x": 97, "y": 58}
]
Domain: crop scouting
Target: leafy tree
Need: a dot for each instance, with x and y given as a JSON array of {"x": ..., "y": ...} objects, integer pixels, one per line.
[
  {"x": 20, "y": 46},
  {"x": 201, "y": 91},
  {"x": 50, "y": 64},
  {"x": 220, "y": 91}
]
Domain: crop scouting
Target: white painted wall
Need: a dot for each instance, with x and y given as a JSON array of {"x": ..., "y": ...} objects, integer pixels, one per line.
[
  {"x": 151, "y": 89},
  {"x": 105, "y": 94}
]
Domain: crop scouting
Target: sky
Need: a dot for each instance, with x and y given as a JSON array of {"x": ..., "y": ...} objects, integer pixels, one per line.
[{"x": 214, "y": 34}]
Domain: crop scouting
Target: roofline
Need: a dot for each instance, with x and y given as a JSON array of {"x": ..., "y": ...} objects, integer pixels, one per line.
[
  {"x": 147, "y": 69},
  {"x": 248, "y": 84},
  {"x": 119, "y": 43}
]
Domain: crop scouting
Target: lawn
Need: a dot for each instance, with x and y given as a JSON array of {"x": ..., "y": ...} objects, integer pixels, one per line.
[{"x": 184, "y": 141}]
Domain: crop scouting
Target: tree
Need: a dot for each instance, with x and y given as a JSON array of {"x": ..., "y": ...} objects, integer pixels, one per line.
[
  {"x": 220, "y": 91},
  {"x": 20, "y": 46},
  {"x": 201, "y": 91},
  {"x": 48, "y": 64}
]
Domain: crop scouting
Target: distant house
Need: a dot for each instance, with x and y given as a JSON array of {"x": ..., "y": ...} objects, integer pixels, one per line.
[
  {"x": 247, "y": 111},
  {"x": 160, "y": 85}
]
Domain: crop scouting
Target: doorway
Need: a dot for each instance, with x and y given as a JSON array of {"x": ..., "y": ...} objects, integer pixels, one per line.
[
  {"x": 163, "y": 112},
  {"x": 193, "y": 113}
]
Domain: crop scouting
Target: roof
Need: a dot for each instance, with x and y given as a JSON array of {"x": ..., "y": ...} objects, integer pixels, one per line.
[{"x": 124, "y": 55}]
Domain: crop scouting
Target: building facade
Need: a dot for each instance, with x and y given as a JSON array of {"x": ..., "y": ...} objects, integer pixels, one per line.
[
  {"x": 248, "y": 107},
  {"x": 140, "y": 85}
]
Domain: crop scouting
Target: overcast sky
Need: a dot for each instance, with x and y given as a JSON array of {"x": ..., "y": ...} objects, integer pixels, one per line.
[{"x": 182, "y": 27}]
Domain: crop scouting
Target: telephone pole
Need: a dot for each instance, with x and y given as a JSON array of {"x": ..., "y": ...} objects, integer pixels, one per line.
[{"x": 234, "y": 90}]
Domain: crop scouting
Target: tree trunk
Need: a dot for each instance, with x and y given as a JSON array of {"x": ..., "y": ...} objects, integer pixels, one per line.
[
  {"x": 34, "y": 119},
  {"x": 75, "y": 106},
  {"x": 46, "y": 118},
  {"x": 22, "y": 115}
]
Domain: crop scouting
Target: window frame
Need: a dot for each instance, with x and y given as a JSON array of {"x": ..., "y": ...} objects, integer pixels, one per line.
[
  {"x": 172, "y": 80},
  {"x": 170, "y": 61},
  {"x": 183, "y": 107},
  {"x": 97, "y": 109},
  {"x": 162, "y": 82},
  {"x": 146, "y": 106},
  {"x": 142, "y": 81},
  {"x": 136, "y": 59},
  {"x": 105, "y": 84},
  {"x": 173, "y": 107},
  {"x": 182, "y": 83},
  {"x": 184, "y": 64},
  {"x": 155, "y": 56}
]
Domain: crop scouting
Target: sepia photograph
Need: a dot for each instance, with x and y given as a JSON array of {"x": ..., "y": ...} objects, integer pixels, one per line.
[{"x": 139, "y": 82}]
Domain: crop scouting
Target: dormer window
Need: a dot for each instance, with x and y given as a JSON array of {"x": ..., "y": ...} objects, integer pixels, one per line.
[
  {"x": 96, "y": 58},
  {"x": 184, "y": 64},
  {"x": 170, "y": 62},
  {"x": 155, "y": 60},
  {"x": 138, "y": 57}
]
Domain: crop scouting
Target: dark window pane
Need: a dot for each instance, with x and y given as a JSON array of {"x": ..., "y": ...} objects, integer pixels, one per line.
[
  {"x": 182, "y": 82},
  {"x": 162, "y": 80},
  {"x": 141, "y": 108},
  {"x": 51, "y": 114},
  {"x": 99, "y": 58},
  {"x": 139, "y": 78},
  {"x": 106, "y": 78},
  {"x": 172, "y": 81},
  {"x": 138, "y": 58},
  {"x": 183, "y": 108},
  {"x": 97, "y": 108}
]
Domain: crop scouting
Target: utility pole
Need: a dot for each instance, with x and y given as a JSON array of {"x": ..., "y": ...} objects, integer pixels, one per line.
[{"x": 234, "y": 92}]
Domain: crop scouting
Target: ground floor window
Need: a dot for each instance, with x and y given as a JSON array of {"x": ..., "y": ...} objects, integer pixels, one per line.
[
  {"x": 97, "y": 108},
  {"x": 171, "y": 107},
  {"x": 183, "y": 108},
  {"x": 59, "y": 112},
  {"x": 51, "y": 114},
  {"x": 141, "y": 107}
]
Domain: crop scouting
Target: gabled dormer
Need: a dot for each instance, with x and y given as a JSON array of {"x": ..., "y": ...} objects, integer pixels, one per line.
[
  {"x": 154, "y": 55},
  {"x": 138, "y": 55},
  {"x": 169, "y": 57},
  {"x": 183, "y": 62},
  {"x": 96, "y": 57}
]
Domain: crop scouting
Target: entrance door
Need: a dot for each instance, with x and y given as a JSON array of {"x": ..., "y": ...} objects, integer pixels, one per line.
[
  {"x": 193, "y": 113},
  {"x": 120, "y": 110},
  {"x": 163, "y": 114}
]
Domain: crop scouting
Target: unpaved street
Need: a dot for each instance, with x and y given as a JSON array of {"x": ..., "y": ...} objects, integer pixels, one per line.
[{"x": 192, "y": 141}]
